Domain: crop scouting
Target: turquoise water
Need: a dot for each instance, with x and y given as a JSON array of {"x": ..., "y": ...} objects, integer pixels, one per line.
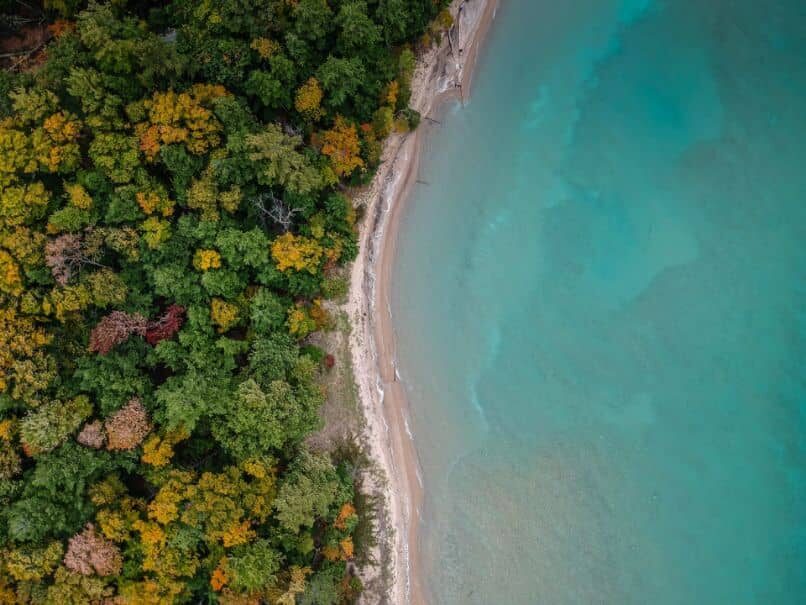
[{"x": 600, "y": 305}]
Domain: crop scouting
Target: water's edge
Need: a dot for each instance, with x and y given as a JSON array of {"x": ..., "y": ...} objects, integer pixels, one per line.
[{"x": 442, "y": 75}]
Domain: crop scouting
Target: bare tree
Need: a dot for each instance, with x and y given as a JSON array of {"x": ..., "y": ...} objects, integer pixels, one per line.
[
  {"x": 89, "y": 553},
  {"x": 92, "y": 435},
  {"x": 291, "y": 130},
  {"x": 270, "y": 206},
  {"x": 66, "y": 254},
  {"x": 126, "y": 428}
]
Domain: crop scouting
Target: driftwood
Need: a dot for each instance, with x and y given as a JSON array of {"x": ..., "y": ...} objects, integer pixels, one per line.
[{"x": 455, "y": 26}]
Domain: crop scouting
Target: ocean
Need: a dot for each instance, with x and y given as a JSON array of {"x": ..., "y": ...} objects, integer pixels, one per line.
[{"x": 600, "y": 306}]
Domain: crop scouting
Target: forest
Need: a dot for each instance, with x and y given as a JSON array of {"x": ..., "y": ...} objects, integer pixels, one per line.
[{"x": 174, "y": 210}]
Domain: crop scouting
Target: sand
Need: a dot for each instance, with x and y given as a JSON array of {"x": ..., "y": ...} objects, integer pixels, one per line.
[{"x": 442, "y": 74}]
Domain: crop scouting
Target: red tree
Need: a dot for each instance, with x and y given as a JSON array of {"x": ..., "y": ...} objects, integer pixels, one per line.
[
  {"x": 114, "y": 329},
  {"x": 166, "y": 326}
]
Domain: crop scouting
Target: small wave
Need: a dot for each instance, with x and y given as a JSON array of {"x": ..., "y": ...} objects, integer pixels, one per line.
[
  {"x": 494, "y": 343},
  {"x": 408, "y": 428},
  {"x": 474, "y": 399}
]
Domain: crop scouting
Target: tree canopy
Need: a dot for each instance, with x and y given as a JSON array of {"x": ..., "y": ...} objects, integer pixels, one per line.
[{"x": 171, "y": 212}]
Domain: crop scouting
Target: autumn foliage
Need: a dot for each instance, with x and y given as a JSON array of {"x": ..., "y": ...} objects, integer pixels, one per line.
[
  {"x": 65, "y": 255},
  {"x": 89, "y": 553},
  {"x": 24, "y": 364},
  {"x": 342, "y": 146},
  {"x": 309, "y": 98},
  {"x": 204, "y": 260},
  {"x": 296, "y": 252},
  {"x": 180, "y": 118},
  {"x": 92, "y": 435},
  {"x": 165, "y": 326},
  {"x": 115, "y": 329},
  {"x": 126, "y": 428}
]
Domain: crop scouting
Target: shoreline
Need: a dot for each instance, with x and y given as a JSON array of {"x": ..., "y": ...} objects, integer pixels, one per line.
[{"x": 443, "y": 74}]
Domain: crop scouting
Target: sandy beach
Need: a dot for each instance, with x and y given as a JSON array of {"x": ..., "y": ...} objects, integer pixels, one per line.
[{"x": 442, "y": 74}]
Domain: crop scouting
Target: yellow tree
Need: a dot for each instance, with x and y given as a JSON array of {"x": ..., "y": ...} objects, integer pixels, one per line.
[
  {"x": 49, "y": 141},
  {"x": 22, "y": 204},
  {"x": 155, "y": 232},
  {"x": 72, "y": 587},
  {"x": 299, "y": 322},
  {"x": 15, "y": 153},
  {"x": 55, "y": 145},
  {"x": 181, "y": 118},
  {"x": 219, "y": 508},
  {"x": 308, "y": 100},
  {"x": 158, "y": 449},
  {"x": 296, "y": 252},
  {"x": 25, "y": 245},
  {"x": 25, "y": 368},
  {"x": 152, "y": 202},
  {"x": 10, "y": 277},
  {"x": 265, "y": 47},
  {"x": 117, "y": 511},
  {"x": 223, "y": 314},
  {"x": 78, "y": 196},
  {"x": 30, "y": 563},
  {"x": 204, "y": 195},
  {"x": 389, "y": 96},
  {"x": 341, "y": 145},
  {"x": 204, "y": 260}
]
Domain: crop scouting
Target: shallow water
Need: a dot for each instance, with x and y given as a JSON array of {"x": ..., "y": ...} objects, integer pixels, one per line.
[{"x": 599, "y": 299}]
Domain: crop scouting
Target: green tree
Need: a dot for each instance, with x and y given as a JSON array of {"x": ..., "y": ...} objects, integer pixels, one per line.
[
  {"x": 324, "y": 587},
  {"x": 357, "y": 30},
  {"x": 341, "y": 79},
  {"x": 267, "y": 312},
  {"x": 272, "y": 358},
  {"x": 313, "y": 20},
  {"x": 116, "y": 155},
  {"x": 254, "y": 566},
  {"x": 104, "y": 109},
  {"x": 51, "y": 424},
  {"x": 307, "y": 492},
  {"x": 260, "y": 423},
  {"x": 52, "y": 502},
  {"x": 278, "y": 161},
  {"x": 122, "y": 47},
  {"x": 273, "y": 87}
]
